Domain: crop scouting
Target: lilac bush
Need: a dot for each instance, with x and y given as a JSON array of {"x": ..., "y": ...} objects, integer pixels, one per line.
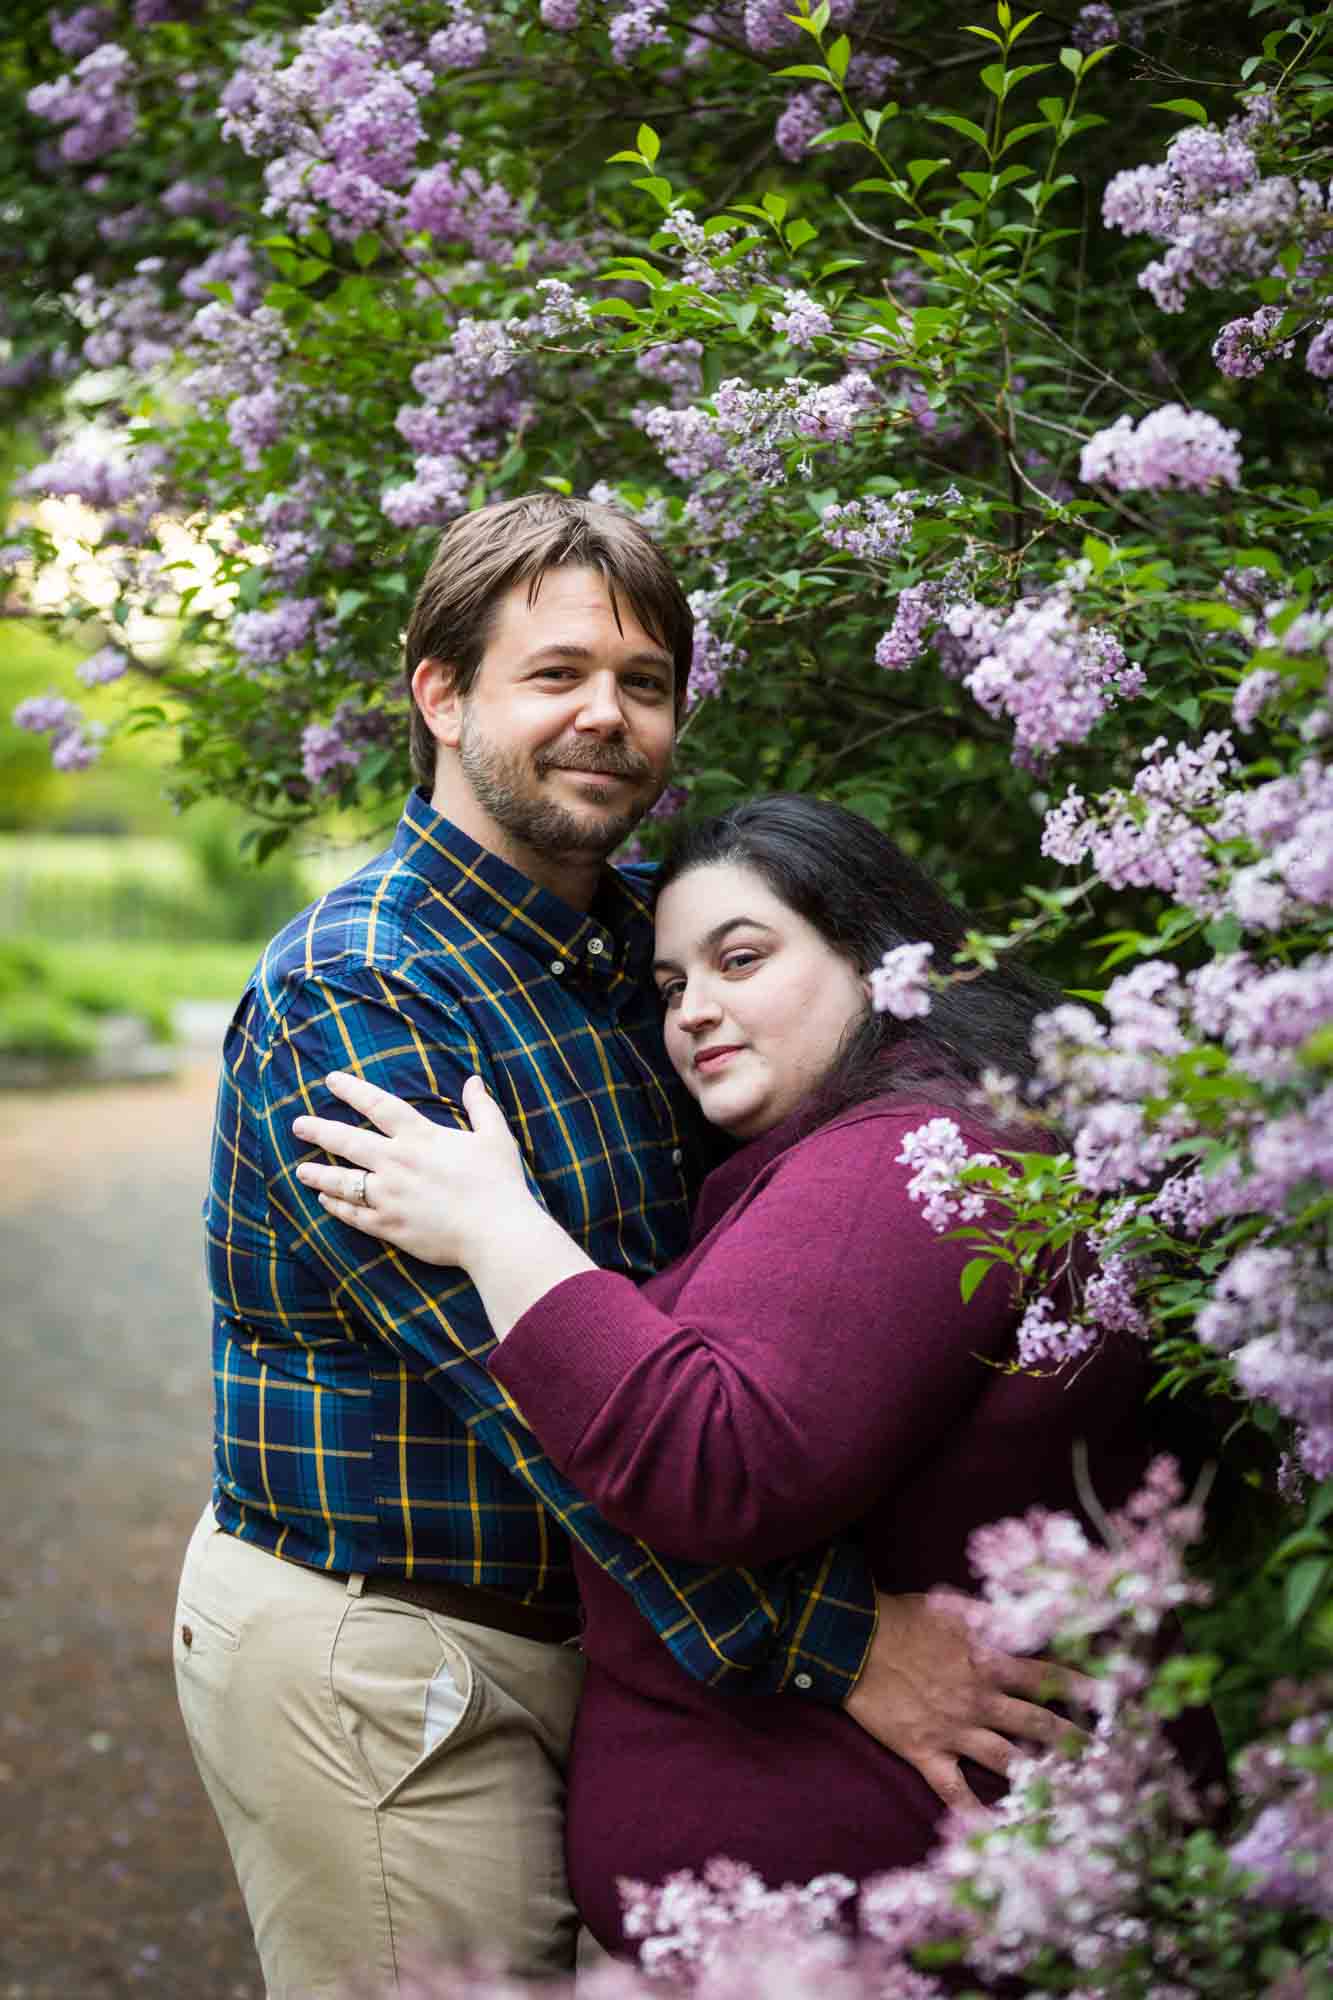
[{"x": 979, "y": 390}]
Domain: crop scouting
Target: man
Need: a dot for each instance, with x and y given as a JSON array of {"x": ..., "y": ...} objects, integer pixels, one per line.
[{"x": 375, "y": 1637}]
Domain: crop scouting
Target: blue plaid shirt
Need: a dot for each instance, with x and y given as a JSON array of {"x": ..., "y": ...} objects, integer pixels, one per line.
[{"x": 357, "y": 1426}]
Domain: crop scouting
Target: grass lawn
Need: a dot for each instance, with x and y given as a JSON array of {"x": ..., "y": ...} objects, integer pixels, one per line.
[{"x": 152, "y": 974}]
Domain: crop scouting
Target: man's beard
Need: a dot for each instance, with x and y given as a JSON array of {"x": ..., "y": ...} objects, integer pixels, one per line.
[{"x": 497, "y": 778}]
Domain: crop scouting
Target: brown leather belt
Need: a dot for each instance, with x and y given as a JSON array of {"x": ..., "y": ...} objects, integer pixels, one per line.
[{"x": 476, "y": 1606}]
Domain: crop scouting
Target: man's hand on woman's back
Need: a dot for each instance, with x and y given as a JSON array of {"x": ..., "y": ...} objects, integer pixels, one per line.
[{"x": 933, "y": 1694}]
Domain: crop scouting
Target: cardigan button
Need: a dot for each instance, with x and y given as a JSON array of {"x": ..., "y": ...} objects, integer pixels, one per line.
[
  {"x": 557, "y": 966},
  {"x": 676, "y": 1156},
  {"x": 803, "y": 1681}
]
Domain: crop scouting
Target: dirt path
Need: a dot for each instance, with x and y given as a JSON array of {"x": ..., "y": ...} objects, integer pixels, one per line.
[{"x": 113, "y": 1876}]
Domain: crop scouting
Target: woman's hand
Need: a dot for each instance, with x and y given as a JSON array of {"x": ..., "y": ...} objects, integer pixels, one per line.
[{"x": 435, "y": 1192}]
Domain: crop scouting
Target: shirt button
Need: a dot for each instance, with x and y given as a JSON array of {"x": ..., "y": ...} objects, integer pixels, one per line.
[
  {"x": 557, "y": 966},
  {"x": 803, "y": 1682},
  {"x": 596, "y": 946},
  {"x": 676, "y": 1156}
]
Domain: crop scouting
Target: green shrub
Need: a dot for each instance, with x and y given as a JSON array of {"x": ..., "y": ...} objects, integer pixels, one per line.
[{"x": 43, "y": 1024}]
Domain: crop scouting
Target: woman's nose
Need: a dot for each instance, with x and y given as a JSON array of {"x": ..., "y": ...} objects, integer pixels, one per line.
[{"x": 697, "y": 1007}]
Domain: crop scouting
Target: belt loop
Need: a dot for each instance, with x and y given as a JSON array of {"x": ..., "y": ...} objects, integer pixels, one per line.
[{"x": 356, "y": 1583}]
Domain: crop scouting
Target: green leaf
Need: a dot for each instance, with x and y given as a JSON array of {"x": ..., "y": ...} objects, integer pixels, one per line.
[
  {"x": 1072, "y": 60},
  {"x": 839, "y": 55},
  {"x": 995, "y": 79},
  {"x": 1052, "y": 110},
  {"x": 1021, "y": 132},
  {"x": 659, "y": 189},
  {"x": 1096, "y": 552},
  {"x": 800, "y": 233},
  {"x": 920, "y": 170},
  {"x": 350, "y": 601},
  {"x": 972, "y": 1274},
  {"x": 614, "y": 309},
  {"x": 815, "y": 71},
  {"x": 775, "y": 206},
  {"x": 1188, "y": 107},
  {"x": 745, "y": 315},
  {"x": 648, "y": 143},
  {"x": 956, "y": 123},
  {"x": 988, "y": 34},
  {"x": 849, "y": 133},
  {"x": 1304, "y": 1582},
  {"x": 366, "y": 248}
]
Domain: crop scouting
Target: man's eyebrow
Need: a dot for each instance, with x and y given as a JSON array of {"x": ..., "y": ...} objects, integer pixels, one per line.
[
  {"x": 712, "y": 938},
  {"x": 567, "y": 650}
]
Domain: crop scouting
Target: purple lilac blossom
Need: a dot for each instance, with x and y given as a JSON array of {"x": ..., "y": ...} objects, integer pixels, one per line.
[
  {"x": 637, "y": 26},
  {"x": 1053, "y": 676},
  {"x": 107, "y": 664},
  {"x": 1272, "y": 1310},
  {"x": 75, "y": 749},
  {"x": 871, "y": 528},
  {"x": 676, "y": 365},
  {"x": 1095, "y": 27},
  {"x": 336, "y": 747},
  {"x": 1244, "y": 347},
  {"x": 803, "y": 117},
  {"x": 938, "y": 1154},
  {"x": 95, "y": 103},
  {"x": 900, "y": 983},
  {"x": 79, "y": 33},
  {"x": 1319, "y": 354},
  {"x": 42, "y": 712},
  {"x": 461, "y": 44},
  {"x": 803, "y": 320},
  {"x": 561, "y": 15},
  {"x": 714, "y": 657},
  {"x": 1171, "y": 448},
  {"x": 265, "y": 637}
]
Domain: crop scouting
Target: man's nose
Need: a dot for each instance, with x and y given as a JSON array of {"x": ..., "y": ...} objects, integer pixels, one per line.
[{"x": 600, "y": 708}]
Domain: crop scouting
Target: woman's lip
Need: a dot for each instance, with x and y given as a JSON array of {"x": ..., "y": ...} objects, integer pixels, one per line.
[{"x": 707, "y": 1057}]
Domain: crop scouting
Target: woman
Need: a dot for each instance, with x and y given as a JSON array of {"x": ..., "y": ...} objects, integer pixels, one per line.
[{"x": 807, "y": 1366}]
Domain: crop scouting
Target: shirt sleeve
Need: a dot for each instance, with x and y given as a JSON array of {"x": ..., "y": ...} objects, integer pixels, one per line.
[
  {"x": 803, "y": 1624},
  {"x": 818, "y": 1349}
]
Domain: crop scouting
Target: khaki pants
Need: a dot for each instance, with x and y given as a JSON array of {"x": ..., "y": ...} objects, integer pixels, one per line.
[{"x": 390, "y": 1782}]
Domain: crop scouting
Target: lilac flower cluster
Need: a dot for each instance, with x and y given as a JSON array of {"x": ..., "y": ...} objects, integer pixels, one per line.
[
  {"x": 748, "y": 427},
  {"x": 676, "y": 365},
  {"x": 1053, "y": 676},
  {"x": 75, "y": 744},
  {"x": 1288, "y": 1849},
  {"x": 640, "y": 25},
  {"x": 1245, "y": 346},
  {"x": 341, "y": 127},
  {"x": 870, "y": 527},
  {"x": 1272, "y": 1311},
  {"x": 471, "y": 398},
  {"x": 95, "y": 102},
  {"x": 714, "y": 657},
  {"x": 330, "y": 750},
  {"x": 1171, "y": 447},
  {"x": 108, "y": 663},
  {"x": 79, "y": 33},
  {"x": 1095, "y": 27},
  {"x": 803, "y": 320},
  {"x": 266, "y": 637},
  {"x": 900, "y": 983},
  {"x": 938, "y": 1153}
]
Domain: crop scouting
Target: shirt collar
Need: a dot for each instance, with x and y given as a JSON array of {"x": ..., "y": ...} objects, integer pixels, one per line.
[{"x": 613, "y": 940}]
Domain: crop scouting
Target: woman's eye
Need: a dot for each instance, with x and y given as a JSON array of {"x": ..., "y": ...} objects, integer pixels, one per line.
[
  {"x": 669, "y": 992},
  {"x": 739, "y": 961}
]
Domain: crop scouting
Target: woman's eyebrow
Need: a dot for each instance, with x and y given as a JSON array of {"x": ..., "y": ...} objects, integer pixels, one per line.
[{"x": 712, "y": 938}]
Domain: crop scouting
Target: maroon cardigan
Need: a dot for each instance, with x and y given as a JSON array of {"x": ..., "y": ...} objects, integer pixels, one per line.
[{"x": 806, "y": 1369}]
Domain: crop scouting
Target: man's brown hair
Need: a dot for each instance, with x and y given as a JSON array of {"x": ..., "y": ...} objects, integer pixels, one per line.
[{"x": 485, "y": 553}]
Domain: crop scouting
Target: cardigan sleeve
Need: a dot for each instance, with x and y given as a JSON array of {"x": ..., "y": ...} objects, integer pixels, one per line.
[{"x": 817, "y": 1348}]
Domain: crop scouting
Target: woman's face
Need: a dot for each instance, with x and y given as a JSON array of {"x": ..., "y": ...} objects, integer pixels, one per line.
[{"x": 757, "y": 1003}]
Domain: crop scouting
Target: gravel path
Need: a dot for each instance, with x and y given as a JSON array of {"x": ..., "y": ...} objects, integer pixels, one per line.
[{"x": 113, "y": 1876}]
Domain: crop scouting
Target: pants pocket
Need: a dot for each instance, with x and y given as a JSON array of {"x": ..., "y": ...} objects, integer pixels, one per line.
[{"x": 404, "y": 1692}]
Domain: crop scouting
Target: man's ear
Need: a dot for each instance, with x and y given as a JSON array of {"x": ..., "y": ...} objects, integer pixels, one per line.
[{"x": 435, "y": 691}]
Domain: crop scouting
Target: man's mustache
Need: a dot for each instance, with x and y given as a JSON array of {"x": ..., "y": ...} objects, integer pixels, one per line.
[{"x": 612, "y": 760}]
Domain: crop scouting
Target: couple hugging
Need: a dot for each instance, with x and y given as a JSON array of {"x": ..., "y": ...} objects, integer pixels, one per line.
[{"x": 574, "y": 1503}]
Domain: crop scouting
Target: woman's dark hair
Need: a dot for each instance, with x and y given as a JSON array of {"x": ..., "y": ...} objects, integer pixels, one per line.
[{"x": 865, "y": 896}]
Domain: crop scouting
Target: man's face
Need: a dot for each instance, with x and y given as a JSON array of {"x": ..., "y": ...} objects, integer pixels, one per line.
[{"x": 565, "y": 737}]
